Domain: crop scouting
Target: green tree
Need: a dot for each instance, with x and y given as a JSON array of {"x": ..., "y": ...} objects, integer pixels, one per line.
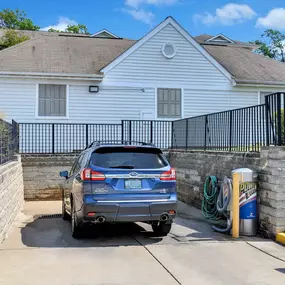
[
  {"x": 74, "y": 29},
  {"x": 11, "y": 38},
  {"x": 54, "y": 30},
  {"x": 16, "y": 20},
  {"x": 77, "y": 29},
  {"x": 272, "y": 44}
]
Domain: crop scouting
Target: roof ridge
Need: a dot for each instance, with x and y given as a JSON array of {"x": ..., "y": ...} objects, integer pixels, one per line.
[{"x": 20, "y": 44}]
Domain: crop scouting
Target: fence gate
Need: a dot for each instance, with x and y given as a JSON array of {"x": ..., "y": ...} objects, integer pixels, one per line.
[{"x": 156, "y": 132}]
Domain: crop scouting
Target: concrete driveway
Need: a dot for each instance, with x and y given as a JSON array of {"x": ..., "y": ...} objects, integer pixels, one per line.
[{"x": 41, "y": 251}]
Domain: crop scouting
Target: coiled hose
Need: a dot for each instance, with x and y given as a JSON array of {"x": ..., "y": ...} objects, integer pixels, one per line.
[
  {"x": 211, "y": 191},
  {"x": 223, "y": 201}
]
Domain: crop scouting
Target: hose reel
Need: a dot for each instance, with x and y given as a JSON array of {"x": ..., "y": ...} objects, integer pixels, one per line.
[{"x": 217, "y": 201}]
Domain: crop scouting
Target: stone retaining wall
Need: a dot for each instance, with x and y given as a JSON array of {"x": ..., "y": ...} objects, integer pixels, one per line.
[
  {"x": 11, "y": 195},
  {"x": 41, "y": 175},
  {"x": 194, "y": 166},
  {"x": 272, "y": 190}
]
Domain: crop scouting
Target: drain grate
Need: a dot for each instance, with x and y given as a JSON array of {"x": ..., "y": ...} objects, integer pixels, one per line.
[{"x": 50, "y": 216}]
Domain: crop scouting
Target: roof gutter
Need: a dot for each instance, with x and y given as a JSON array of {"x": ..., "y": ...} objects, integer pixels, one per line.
[
  {"x": 259, "y": 83},
  {"x": 43, "y": 75}
]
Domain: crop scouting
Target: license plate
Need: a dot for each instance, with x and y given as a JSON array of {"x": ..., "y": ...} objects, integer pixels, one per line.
[{"x": 133, "y": 184}]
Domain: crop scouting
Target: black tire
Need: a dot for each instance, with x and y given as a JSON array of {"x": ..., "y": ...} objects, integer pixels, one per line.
[
  {"x": 65, "y": 216},
  {"x": 75, "y": 228},
  {"x": 161, "y": 229}
]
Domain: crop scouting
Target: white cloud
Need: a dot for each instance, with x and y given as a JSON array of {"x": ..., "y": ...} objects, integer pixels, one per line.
[
  {"x": 134, "y": 8},
  {"x": 61, "y": 24},
  {"x": 141, "y": 15},
  {"x": 227, "y": 15},
  {"x": 136, "y": 3},
  {"x": 275, "y": 19}
]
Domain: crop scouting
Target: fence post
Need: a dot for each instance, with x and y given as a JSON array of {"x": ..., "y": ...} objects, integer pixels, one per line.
[
  {"x": 279, "y": 133},
  {"x": 231, "y": 120},
  {"x": 186, "y": 139},
  {"x": 172, "y": 134},
  {"x": 15, "y": 136},
  {"x": 130, "y": 131},
  {"x": 122, "y": 130},
  {"x": 52, "y": 138},
  {"x": 205, "y": 137},
  {"x": 86, "y": 135},
  {"x": 151, "y": 130},
  {"x": 267, "y": 119}
]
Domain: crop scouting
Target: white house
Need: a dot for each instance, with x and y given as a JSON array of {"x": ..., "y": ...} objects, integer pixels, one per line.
[{"x": 166, "y": 75}]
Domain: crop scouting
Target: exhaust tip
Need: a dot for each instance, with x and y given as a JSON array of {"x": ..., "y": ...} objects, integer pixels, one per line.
[
  {"x": 100, "y": 220},
  {"x": 164, "y": 218}
]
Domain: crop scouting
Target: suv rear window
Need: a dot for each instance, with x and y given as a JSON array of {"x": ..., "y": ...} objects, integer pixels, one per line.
[{"x": 128, "y": 158}]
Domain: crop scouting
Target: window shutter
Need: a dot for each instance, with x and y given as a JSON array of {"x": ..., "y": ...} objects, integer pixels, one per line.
[
  {"x": 169, "y": 103},
  {"x": 52, "y": 100}
]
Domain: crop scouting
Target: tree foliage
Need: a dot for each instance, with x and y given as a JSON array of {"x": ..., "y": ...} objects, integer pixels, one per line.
[
  {"x": 74, "y": 29},
  {"x": 16, "y": 20},
  {"x": 11, "y": 38},
  {"x": 272, "y": 45}
]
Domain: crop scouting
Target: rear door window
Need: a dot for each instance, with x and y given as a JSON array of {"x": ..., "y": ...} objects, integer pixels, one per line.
[{"x": 128, "y": 158}]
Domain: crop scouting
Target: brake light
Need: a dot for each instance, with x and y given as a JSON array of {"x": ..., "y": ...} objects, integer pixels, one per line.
[
  {"x": 89, "y": 174},
  {"x": 168, "y": 175}
]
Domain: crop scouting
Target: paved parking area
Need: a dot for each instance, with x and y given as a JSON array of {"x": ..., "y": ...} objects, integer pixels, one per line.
[{"x": 40, "y": 250}]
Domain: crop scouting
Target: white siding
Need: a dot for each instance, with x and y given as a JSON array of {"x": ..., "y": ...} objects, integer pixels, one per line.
[
  {"x": 17, "y": 100},
  {"x": 110, "y": 105},
  {"x": 189, "y": 67},
  {"x": 199, "y": 102}
]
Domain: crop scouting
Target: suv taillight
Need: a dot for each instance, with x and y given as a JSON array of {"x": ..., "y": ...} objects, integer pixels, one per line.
[
  {"x": 168, "y": 175},
  {"x": 89, "y": 174}
]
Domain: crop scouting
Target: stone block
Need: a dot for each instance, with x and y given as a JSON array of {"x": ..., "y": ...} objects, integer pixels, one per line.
[{"x": 11, "y": 195}]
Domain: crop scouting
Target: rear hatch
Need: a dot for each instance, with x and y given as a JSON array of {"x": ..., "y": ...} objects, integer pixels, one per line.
[{"x": 128, "y": 173}]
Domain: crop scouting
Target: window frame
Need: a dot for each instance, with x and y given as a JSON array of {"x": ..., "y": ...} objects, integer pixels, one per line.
[
  {"x": 261, "y": 93},
  {"x": 66, "y": 103},
  {"x": 167, "y": 118}
]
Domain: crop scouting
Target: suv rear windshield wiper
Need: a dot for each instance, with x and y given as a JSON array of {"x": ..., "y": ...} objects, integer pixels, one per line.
[{"x": 123, "y": 166}]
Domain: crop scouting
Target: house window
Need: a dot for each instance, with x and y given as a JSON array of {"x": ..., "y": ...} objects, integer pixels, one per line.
[
  {"x": 52, "y": 100},
  {"x": 168, "y": 103}
]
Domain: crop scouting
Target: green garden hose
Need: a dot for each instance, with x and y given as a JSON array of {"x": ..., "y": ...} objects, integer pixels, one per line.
[{"x": 211, "y": 191}]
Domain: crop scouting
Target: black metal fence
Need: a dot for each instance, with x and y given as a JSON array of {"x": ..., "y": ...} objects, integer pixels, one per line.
[
  {"x": 239, "y": 130},
  {"x": 9, "y": 141},
  {"x": 156, "y": 132},
  {"x": 276, "y": 119},
  {"x": 66, "y": 138}
]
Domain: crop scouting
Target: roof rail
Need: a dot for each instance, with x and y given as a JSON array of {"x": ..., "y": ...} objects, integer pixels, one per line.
[{"x": 119, "y": 142}]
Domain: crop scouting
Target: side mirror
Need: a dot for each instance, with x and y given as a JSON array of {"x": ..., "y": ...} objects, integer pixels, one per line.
[{"x": 64, "y": 174}]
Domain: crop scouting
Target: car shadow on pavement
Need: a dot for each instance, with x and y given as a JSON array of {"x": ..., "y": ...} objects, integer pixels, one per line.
[
  {"x": 281, "y": 270},
  {"x": 54, "y": 232},
  {"x": 201, "y": 230}
]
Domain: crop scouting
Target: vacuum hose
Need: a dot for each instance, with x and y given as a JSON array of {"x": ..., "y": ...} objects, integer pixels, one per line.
[
  {"x": 223, "y": 200},
  {"x": 209, "y": 209}
]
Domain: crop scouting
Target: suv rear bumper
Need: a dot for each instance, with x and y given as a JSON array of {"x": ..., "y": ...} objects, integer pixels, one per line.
[{"x": 130, "y": 211}]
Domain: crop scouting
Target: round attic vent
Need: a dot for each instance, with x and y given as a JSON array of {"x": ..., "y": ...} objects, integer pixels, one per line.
[{"x": 168, "y": 50}]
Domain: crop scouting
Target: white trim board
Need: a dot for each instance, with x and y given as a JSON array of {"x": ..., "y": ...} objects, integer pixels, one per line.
[
  {"x": 157, "y": 29},
  {"x": 213, "y": 39},
  {"x": 104, "y": 31}
]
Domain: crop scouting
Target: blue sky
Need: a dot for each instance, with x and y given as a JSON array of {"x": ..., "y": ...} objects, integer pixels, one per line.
[{"x": 241, "y": 20}]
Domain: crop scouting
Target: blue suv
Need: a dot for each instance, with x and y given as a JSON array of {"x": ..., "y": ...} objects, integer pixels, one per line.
[{"x": 120, "y": 182}]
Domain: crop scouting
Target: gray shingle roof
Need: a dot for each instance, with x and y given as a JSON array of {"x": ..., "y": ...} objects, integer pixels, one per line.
[
  {"x": 246, "y": 65},
  {"x": 86, "y": 55},
  {"x": 63, "y": 54}
]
